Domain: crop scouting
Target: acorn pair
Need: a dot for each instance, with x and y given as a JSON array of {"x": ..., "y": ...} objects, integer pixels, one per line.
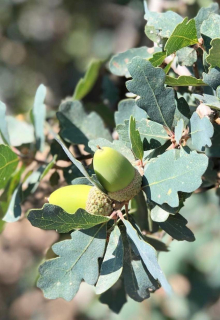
[{"x": 116, "y": 174}]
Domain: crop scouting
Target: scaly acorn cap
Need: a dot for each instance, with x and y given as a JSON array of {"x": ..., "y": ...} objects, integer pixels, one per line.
[
  {"x": 98, "y": 203},
  {"x": 116, "y": 174},
  {"x": 72, "y": 198}
]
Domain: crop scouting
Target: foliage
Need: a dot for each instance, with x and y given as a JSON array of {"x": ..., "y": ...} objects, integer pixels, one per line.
[{"x": 157, "y": 130}]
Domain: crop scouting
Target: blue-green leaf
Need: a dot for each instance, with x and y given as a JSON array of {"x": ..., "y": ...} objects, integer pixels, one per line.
[
  {"x": 126, "y": 108},
  {"x": 186, "y": 56},
  {"x": 213, "y": 57},
  {"x": 210, "y": 29},
  {"x": 201, "y": 131},
  {"x": 155, "y": 99},
  {"x": 112, "y": 264},
  {"x": 39, "y": 113},
  {"x": 3, "y": 125},
  {"x": 77, "y": 261},
  {"x": 179, "y": 130},
  {"x": 203, "y": 15},
  {"x": 52, "y": 217},
  {"x": 212, "y": 78},
  {"x": 118, "y": 64},
  {"x": 169, "y": 174},
  {"x": 148, "y": 256}
]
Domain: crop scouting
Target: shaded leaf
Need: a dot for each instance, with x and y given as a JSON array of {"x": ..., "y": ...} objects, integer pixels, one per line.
[
  {"x": 136, "y": 143},
  {"x": 186, "y": 56},
  {"x": 32, "y": 181},
  {"x": 62, "y": 276},
  {"x": 168, "y": 174},
  {"x": 214, "y": 150},
  {"x": 182, "y": 111},
  {"x": 78, "y": 127},
  {"x": 211, "y": 101},
  {"x": 126, "y": 108},
  {"x": 203, "y": 15},
  {"x": 86, "y": 83},
  {"x": 117, "y": 145},
  {"x": 213, "y": 57},
  {"x": 175, "y": 226},
  {"x": 148, "y": 256},
  {"x": 8, "y": 164},
  {"x": 38, "y": 114},
  {"x": 157, "y": 58},
  {"x": 81, "y": 180},
  {"x": 13, "y": 212},
  {"x": 161, "y": 25},
  {"x": 54, "y": 179},
  {"x": 179, "y": 130},
  {"x": 3, "y": 125},
  {"x": 212, "y": 78},
  {"x": 118, "y": 63},
  {"x": 201, "y": 131},
  {"x": 148, "y": 83},
  {"x": 115, "y": 297},
  {"x": 184, "y": 81},
  {"x": 112, "y": 264},
  {"x": 183, "y": 35},
  {"x": 52, "y": 217},
  {"x": 48, "y": 167}
]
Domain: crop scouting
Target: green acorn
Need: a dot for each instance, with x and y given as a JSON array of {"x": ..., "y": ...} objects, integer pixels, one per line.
[
  {"x": 91, "y": 199},
  {"x": 116, "y": 174}
]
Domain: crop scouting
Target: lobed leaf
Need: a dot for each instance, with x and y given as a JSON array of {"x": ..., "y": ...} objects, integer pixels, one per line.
[
  {"x": 118, "y": 64},
  {"x": 201, "y": 131},
  {"x": 184, "y": 81},
  {"x": 169, "y": 174},
  {"x": 62, "y": 276},
  {"x": 136, "y": 143},
  {"x": 203, "y": 15},
  {"x": 183, "y": 35},
  {"x": 158, "y": 58},
  {"x": 8, "y": 164},
  {"x": 210, "y": 29},
  {"x": 175, "y": 226},
  {"x": 112, "y": 264},
  {"x": 148, "y": 256},
  {"x": 85, "y": 84},
  {"x": 52, "y": 217},
  {"x": 161, "y": 25},
  {"x": 155, "y": 99},
  {"x": 213, "y": 57},
  {"x": 212, "y": 78},
  {"x": 126, "y": 108},
  {"x": 186, "y": 56},
  {"x": 211, "y": 101}
]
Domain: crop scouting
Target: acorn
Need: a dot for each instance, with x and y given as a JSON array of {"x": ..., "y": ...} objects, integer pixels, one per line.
[
  {"x": 91, "y": 199},
  {"x": 117, "y": 175}
]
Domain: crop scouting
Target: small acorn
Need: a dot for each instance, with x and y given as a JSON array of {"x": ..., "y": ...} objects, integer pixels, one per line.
[
  {"x": 116, "y": 174},
  {"x": 91, "y": 199}
]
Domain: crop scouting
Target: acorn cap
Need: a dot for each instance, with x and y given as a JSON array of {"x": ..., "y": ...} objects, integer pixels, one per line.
[
  {"x": 98, "y": 203},
  {"x": 113, "y": 170},
  {"x": 70, "y": 198},
  {"x": 130, "y": 191}
]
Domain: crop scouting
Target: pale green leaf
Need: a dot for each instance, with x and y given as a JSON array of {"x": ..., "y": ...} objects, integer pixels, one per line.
[
  {"x": 210, "y": 29},
  {"x": 179, "y": 130},
  {"x": 183, "y": 35},
  {"x": 77, "y": 261},
  {"x": 136, "y": 143},
  {"x": 52, "y": 217},
  {"x": 112, "y": 264},
  {"x": 159, "y": 215},
  {"x": 203, "y": 15},
  {"x": 48, "y": 167},
  {"x": 155, "y": 99},
  {"x": 214, "y": 57},
  {"x": 184, "y": 81},
  {"x": 8, "y": 164},
  {"x": 85, "y": 84},
  {"x": 168, "y": 174}
]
